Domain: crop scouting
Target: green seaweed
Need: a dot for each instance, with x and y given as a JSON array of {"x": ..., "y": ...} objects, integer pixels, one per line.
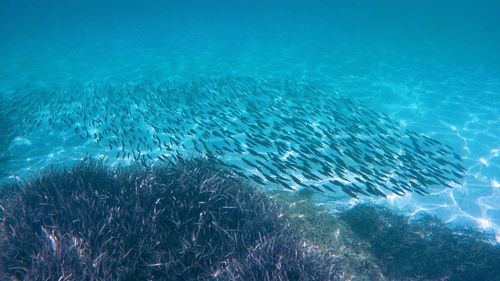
[{"x": 325, "y": 230}]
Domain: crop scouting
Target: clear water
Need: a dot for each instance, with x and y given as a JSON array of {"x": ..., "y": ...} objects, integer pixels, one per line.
[{"x": 433, "y": 66}]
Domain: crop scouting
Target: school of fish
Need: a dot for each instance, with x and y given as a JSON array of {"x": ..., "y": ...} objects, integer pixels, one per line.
[{"x": 276, "y": 133}]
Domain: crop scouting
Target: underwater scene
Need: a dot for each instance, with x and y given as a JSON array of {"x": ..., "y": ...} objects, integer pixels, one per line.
[{"x": 249, "y": 140}]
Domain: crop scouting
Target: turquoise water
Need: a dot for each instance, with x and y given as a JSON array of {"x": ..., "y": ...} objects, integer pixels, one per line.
[{"x": 432, "y": 67}]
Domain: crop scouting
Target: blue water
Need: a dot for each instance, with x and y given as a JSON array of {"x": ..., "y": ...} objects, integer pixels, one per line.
[{"x": 433, "y": 66}]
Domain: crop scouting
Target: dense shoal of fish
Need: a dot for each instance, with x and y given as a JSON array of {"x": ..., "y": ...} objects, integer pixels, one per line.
[{"x": 276, "y": 133}]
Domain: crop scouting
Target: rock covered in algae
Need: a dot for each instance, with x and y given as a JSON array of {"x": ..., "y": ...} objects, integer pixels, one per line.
[
  {"x": 330, "y": 234},
  {"x": 375, "y": 243}
]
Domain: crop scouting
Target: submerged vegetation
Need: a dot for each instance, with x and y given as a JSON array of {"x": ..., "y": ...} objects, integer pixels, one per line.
[
  {"x": 424, "y": 249},
  {"x": 189, "y": 221},
  {"x": 374, "y": 243},
  {"x": 197, "y": 220},
  {"x": 330, "y": 234}
]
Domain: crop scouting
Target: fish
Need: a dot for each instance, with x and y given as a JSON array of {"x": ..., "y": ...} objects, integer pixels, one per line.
[{"x": 305, "y": 127}]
